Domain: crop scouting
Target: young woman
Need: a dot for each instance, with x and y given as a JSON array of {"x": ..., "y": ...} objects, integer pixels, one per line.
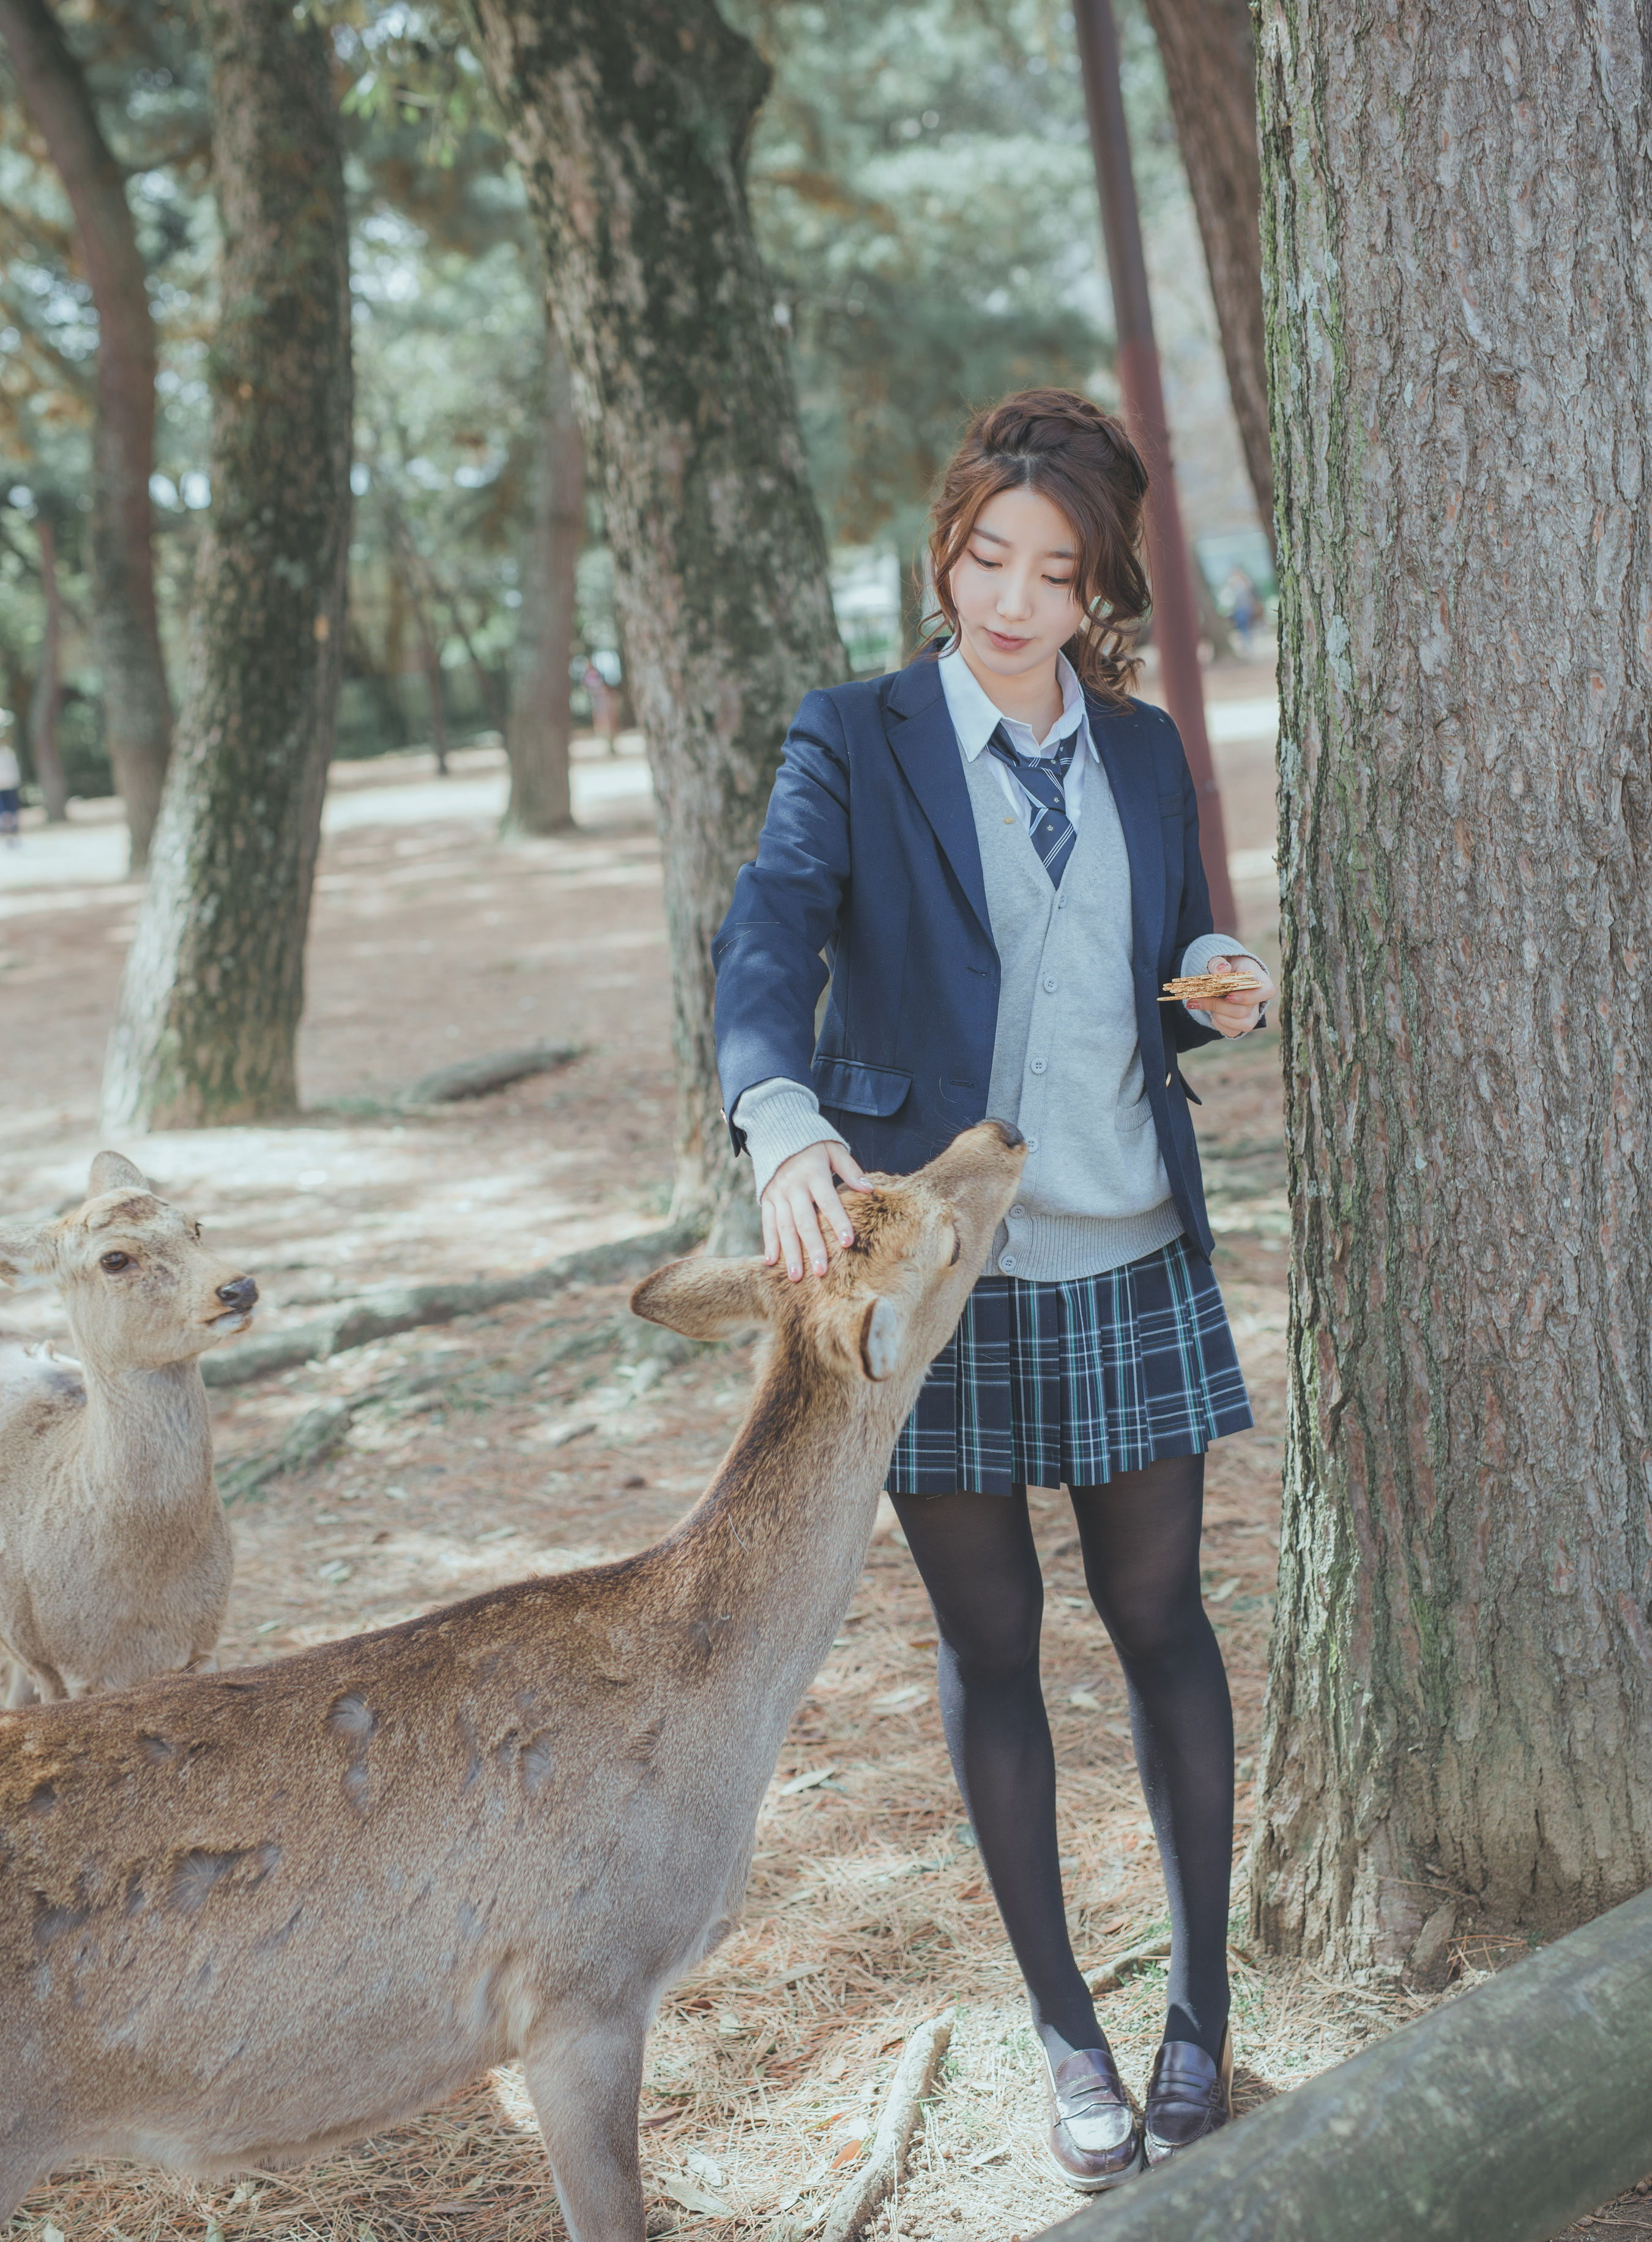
[{"x": 998, "y": 851}]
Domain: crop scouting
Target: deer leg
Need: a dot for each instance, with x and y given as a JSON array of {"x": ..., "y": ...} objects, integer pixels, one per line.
[
  {"x": 17, "y": 2175},
  {"x": 585, "y": 2083},
  {"x": 20, "y": 1690}
]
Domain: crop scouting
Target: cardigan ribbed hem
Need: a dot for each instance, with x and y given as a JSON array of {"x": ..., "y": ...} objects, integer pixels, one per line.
[
  {"x": 778, "y": 1119},
  {"x": 1055, "y": 1249}
]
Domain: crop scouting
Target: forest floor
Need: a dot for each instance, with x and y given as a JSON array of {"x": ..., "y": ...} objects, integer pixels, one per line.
[{"x": 393, "y": 1477}]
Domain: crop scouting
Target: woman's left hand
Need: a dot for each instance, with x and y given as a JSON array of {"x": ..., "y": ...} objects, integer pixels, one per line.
[{"x": 1238, "y": 1014}]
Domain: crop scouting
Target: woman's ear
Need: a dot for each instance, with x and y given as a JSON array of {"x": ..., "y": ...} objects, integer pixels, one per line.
[{"x": 705, "y": 1298}]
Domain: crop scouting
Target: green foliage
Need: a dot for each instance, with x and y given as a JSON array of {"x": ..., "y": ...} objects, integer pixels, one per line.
[{"x": 921, "y": 182}]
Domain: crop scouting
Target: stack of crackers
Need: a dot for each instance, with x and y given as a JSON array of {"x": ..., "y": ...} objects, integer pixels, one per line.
[{"x": 1199, "y": 987}]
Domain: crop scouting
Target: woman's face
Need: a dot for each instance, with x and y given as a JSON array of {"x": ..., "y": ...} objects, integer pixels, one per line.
[{"x": 1013, "y": 586}]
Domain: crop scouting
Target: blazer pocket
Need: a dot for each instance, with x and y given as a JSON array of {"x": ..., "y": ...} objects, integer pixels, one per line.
[{"x": 851, "y": 1086}]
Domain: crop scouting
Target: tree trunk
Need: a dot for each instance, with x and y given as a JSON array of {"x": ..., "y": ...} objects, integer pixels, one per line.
[
  {"x": 541, "y": 721},
  {"x": 1209, "y": 73},
  {"x": 46, "y": 700},
  {"x": 214, "y": 986},
  {"x": 629, "y": 119},
  {"x": 1459, "y": 1716},
  {"x": 137, "y": 712}
]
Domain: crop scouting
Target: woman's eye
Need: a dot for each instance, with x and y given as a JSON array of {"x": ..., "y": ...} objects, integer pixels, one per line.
[
  {"x": 113, "y": 1261},
  {"x": 981, "y": 560}
]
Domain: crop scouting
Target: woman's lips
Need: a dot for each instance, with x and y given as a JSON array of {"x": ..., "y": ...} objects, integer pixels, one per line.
[{"x": 1005, "y": 644}]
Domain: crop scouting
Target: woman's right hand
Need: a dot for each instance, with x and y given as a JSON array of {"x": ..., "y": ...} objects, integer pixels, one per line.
[{"x": 799, "y": 1196}]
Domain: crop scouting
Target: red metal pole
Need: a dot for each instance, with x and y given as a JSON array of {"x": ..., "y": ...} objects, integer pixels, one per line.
[{"x": 1175, "y": 617}]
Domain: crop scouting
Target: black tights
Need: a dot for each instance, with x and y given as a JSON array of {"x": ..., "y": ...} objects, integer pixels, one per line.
[{"x": 1140, "y": 1534}]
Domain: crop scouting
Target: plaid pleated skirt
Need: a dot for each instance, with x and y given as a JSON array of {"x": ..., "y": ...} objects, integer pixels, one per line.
[{"x": 1053, "y": 1385}]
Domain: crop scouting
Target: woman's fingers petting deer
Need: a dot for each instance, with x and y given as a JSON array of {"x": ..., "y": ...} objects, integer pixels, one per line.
[{"x": 800, "y": 1195}]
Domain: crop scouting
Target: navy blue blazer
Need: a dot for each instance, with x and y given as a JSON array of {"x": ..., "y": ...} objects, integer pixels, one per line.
[{"x": 868, "y": 854}]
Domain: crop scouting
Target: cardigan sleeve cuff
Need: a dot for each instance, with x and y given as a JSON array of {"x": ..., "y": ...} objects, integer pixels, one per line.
[
  {"x": 1198, "y": 955},
  {"x": 778, "y": 1119}
]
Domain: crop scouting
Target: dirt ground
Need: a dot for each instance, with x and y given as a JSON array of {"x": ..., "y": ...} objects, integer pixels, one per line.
[{"x": 550, "y": 1434}]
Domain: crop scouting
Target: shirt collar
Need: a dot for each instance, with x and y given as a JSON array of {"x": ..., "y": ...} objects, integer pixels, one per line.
[{"x": 975, "y": 718}]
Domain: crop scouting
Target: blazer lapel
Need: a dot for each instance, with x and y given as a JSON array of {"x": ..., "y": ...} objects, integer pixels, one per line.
[
  {"x": 926, "y": 748},
  {"x": 1130, "y": 772}
]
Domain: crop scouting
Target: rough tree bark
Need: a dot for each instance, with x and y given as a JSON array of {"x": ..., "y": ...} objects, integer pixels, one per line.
[
  {"x": 138, "y": 714},
  {"x": 629, "y": 119},
  {"x": 46, "y": 701},
  {"x": 214, "y": 985},
  {"x": 537, "y": 735},
  {"x": 1460, "y": 1715},
  {"x": 1209, "y": 72}
]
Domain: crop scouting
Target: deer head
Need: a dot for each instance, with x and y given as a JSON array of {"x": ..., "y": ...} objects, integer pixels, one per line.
[
  {"x": 889, "y": 1303},
  {"x": 140, "y": 1290}
]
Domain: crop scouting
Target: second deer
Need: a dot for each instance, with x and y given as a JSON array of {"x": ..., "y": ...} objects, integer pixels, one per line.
[
  {"x": 248, "y": 1916},
  {"x": 114, "y": 1553}
]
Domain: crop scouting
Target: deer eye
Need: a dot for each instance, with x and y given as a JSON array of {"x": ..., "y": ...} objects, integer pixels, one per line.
[
  {"x": 196, "y": 1228},
  {"x": 113, "y": 1261}
]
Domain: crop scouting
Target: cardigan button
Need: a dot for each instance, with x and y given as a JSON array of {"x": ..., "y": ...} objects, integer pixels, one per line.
[
  {"x": 1036, "y": 1066},
  {"x": 1007, "y": 1262}
]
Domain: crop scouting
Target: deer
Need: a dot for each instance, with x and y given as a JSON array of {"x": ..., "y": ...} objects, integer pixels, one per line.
[
  {"x": 247, "y": 1916},
  {"x": 115, "y": 1557}
]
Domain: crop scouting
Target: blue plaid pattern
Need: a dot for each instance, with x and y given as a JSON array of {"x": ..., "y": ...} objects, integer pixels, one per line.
[
  {"x": 1042, "y": 780},
  {"x": 1060, "y": 1385}
]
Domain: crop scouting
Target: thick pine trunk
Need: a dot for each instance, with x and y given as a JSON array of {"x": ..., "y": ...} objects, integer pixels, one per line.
[
  {"x": 629, "y": 119},
  {"x": 1210, "y": 73},
  {"x": 46, "y": 701},
  {"x": 540, "y": 720},
  {"x": 137, "y": 715},
  {"x": 214, "y": 986},
  {"x": 1459, "y": 1718}
]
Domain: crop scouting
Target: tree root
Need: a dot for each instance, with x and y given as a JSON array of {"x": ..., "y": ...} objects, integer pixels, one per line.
[
  {"x": 861, "y": 2195},
  {"x": 392, "y": 1308}
]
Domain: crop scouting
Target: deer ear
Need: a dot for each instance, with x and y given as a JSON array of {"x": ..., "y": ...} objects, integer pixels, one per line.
[
  {"x": 883, "y": 1328},
  {"x": 705, "y": 1298},
  {"x": 111, "y": 1172},
  {"x": 24, "y": 1252}
]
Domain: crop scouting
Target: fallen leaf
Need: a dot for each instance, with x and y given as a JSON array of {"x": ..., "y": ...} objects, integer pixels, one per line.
[
  {"x": 702, "y": 2168},
  {"x": 335, "y": 1571},
  {"x": 988, "y": 2157},
  {"x": 1226, "y": 1589},
  {"x": 899, "y": 1700},
  {"x": 692, "y": 2197},
  {"x": 846, "y": 2155},
  {"x": 1085, "y": 1700},
  {"x": 810, "y": 1781}
]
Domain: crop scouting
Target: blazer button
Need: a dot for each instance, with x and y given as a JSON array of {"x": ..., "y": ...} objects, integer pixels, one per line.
[{"x": 1169, "y": 1079}]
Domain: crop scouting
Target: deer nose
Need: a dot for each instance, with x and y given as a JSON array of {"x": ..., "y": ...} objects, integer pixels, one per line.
[
  {"x": 1009, "y": 1135},
  {"x": 239, "y": 1292}
]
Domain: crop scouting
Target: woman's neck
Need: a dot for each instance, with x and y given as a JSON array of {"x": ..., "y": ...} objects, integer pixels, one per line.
[{"x": 1034, "y": 699}]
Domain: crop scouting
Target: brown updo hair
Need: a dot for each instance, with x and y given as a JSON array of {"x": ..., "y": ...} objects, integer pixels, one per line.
[{"x": 1068, "y": 450}]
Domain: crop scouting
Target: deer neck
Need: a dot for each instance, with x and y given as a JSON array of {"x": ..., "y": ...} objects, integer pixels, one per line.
[
  {"x": 147, "y": 1434},
  {"x": 779, "y": 1539}
]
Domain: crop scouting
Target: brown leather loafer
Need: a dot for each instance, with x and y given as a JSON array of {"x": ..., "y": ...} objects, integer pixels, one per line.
[
  {"x": 1188, "y": 2096},
  {"x": 1094, "y": 2140}
]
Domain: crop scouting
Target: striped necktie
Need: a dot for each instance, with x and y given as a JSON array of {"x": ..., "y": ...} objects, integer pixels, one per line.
[{"x": 1040, "y": 778}]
